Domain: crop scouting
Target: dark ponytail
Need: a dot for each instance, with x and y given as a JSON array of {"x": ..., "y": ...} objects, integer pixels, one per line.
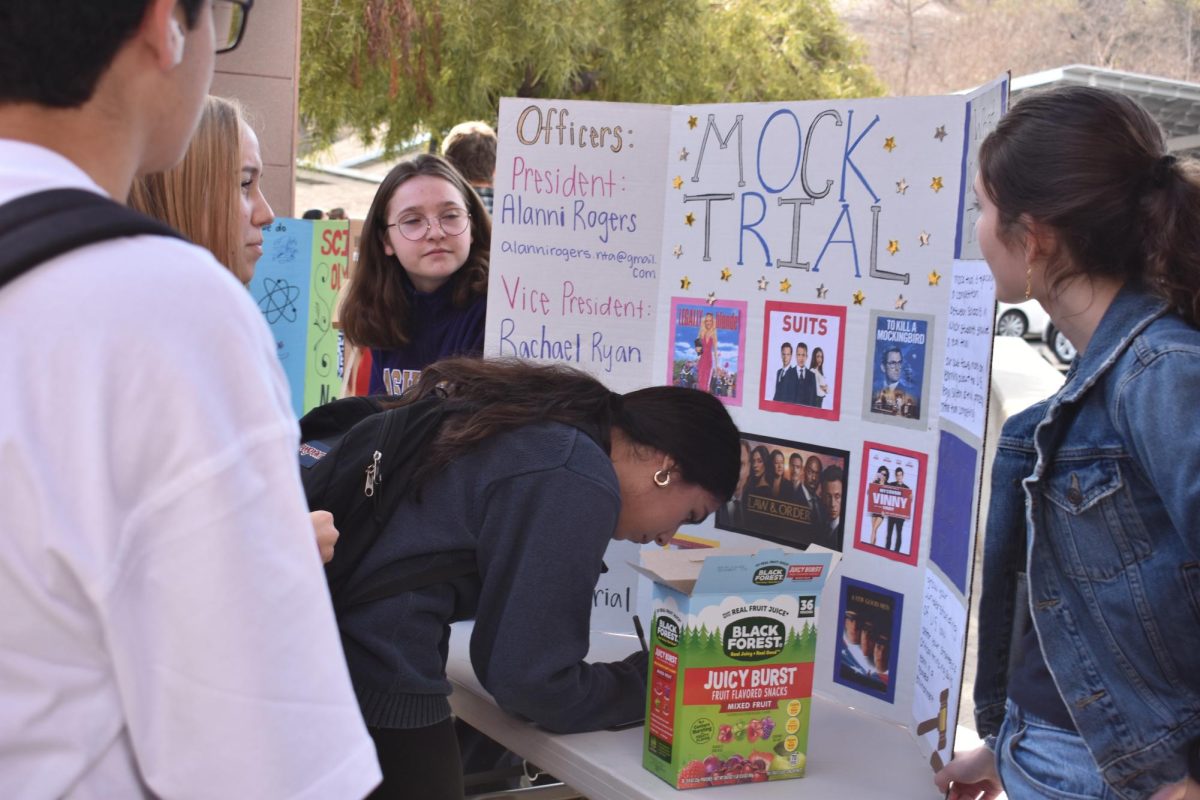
[
  {"x": 1092, "y": 165},
  {"x": 1171, "y": 235},
  {"x": 488, "y": 397}
]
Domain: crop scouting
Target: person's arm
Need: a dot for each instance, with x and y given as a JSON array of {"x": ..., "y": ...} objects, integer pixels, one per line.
[
  {"x": 540, "y": 555},
  {"x": 214, "y": 612},
  {"x": 1146, "y": 404}
]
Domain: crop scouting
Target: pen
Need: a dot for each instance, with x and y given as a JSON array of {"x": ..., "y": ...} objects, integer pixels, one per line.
[{"x": 637, "y": 626}]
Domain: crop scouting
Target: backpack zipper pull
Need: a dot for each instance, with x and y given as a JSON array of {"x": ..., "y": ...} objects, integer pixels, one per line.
[{"x": 372, "y": 474}]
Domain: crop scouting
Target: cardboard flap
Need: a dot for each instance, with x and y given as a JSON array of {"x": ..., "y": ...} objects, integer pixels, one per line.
[{"x": 731, "y": 569}]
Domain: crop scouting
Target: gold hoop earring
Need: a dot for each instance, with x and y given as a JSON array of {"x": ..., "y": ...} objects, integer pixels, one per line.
[
  {"x": 662, "y": 477},
  {"x": 1029, "y": 282}
]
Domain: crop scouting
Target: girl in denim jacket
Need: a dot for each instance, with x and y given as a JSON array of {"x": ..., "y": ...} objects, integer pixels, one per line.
[{"x": 1089, "y": 659}]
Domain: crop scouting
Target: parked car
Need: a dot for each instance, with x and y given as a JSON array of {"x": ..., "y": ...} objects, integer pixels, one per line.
[
  {"x": 1026, "y": 319},
  {"x": 1031, "y": 321}
]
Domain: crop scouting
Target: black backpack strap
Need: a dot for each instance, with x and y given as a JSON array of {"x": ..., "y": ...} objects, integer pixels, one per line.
[
  {"x": 401, "y": 438},
  {"x": 37, "y": 227}
]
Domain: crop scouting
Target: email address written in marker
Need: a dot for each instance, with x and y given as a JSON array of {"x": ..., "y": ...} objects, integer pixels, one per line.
[{"x": 643, "y": 265}]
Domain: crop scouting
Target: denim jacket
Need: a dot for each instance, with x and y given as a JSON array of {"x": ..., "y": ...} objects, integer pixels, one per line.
[{"x": 1105, "y": 477}]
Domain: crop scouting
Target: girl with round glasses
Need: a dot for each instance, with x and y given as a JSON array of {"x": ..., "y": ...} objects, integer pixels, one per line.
[{"x": 419, "y": 291}]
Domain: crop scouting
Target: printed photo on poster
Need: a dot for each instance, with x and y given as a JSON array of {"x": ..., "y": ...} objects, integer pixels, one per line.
[
  {"x": 708, "y": 347},
  {"x": 802, "y": 359},
  {"x": 897, "y": 371},
  {"x": 891, "y": 485},
  {"x": 789, "y": 492},
  {"x": 869, "y": 639}
]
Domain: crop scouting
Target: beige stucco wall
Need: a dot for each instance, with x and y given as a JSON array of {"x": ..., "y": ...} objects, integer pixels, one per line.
[{"x": 263, "y": 74}]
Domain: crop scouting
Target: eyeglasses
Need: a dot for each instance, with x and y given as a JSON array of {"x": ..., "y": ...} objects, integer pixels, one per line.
[
  {"x": 415, "y": 228},
  {"x": 893, "y": 363},
  {"x": 229, "y": 22}
]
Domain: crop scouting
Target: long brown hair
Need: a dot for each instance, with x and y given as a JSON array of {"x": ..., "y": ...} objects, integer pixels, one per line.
[
  {"x": 1092, "y": 165},
  {"x": 489, "y": 397},
  {"x": 199, "y": 197},
  {"x": 376, "y": 310}
]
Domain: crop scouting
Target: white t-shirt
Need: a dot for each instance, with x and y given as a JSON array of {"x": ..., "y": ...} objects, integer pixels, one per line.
[{"x": 165, "y": 628}]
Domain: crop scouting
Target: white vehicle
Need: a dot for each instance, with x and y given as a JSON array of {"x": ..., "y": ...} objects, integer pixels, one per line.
[{"x": 1031, "y": 321}]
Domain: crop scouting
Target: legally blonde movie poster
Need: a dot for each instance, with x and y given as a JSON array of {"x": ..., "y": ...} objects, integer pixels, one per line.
[{"x": 708, "y": 345}]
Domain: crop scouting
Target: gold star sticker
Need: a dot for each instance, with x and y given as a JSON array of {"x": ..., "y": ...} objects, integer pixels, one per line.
[
  {"x": 924, "y": 237},
  {"x": 901, "y": 303},
  {"x": 689, "y": 219},
  {"x": 685, "y": 283},
  {"x": 762, "y": 283},
  {"x": 678, "y": 182},
  {"x": 785, "y": 286},
  {"x": 934, "y": 278},
  {"x": 936, "y": 184},
  {"x": 889, "y": 143},
  {"x": 683, "y": 154},
  {"x": 893, "y": 246},
  {"x": 821, "y": 292},
  {"x": 901, "y": 186},
  {"x": 726, "y": 273},
  {"x": 940, "y": 133},
  {"x": 692, "y": 122},
  {"x": 858, "y": 297},
  {"x": 712, "y": 298},
  {"x": 677, "y": 250}
]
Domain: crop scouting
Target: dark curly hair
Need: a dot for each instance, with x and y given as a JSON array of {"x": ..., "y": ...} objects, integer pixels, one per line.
[
  {"x": 1092, "y": 165},
  {"x": 53, "y": 52},
  {"x": 489, "y": 397}
]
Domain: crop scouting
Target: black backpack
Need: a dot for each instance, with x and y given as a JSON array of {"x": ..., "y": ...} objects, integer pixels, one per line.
[
  {"x": 37, "y": 227},
  {"x": 357, "y": 458}
]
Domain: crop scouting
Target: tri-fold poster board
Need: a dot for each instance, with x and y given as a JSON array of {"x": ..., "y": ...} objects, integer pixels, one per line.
[
  {"x": 813, "y": 265},
  {"x": 296, "y": 284}
]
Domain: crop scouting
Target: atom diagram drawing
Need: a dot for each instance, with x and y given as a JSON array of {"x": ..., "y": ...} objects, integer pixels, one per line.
[{"x": 279, "y": 301}]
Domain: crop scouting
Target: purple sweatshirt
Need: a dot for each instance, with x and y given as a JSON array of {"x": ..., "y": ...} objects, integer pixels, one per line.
[{"x": 440, "y": 331}]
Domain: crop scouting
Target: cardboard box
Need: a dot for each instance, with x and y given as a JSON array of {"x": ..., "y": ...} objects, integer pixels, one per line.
[{"x": 733, "y": 639}]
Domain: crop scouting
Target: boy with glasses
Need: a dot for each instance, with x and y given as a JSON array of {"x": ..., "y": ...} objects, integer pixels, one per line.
[{"x": 166, "y": 627}]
